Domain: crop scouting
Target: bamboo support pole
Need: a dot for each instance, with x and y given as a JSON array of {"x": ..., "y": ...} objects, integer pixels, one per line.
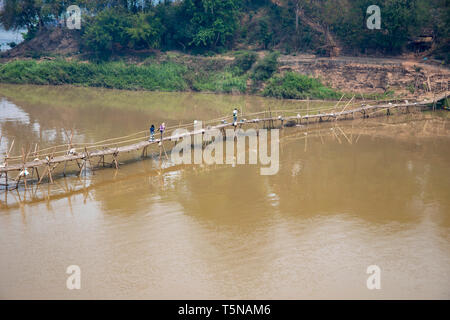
[
  {"x": 83, "y": 165},
  {"x": 6, "y": 163},
  {"x": 88, "y": 159},
  {"x": 115, "y": 155}
]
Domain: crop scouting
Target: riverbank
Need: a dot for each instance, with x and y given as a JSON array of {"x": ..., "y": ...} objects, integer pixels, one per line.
[{"x": 243, "y": 73}]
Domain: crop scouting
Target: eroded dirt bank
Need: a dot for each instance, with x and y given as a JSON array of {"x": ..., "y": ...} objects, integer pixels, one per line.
[{"x": 353, "y": 74}]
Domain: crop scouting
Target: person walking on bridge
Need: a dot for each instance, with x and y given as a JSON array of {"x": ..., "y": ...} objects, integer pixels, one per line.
[
  {"x": 235, "y": 114},
  {"x": 162, "y": 128},
  {"x": 152, "y": 133}
]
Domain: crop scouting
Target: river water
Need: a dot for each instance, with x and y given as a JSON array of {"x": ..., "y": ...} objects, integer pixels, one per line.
[{"x": 347, "y": 196}]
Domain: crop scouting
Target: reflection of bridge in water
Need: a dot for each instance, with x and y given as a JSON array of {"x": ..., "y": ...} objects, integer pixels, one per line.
[{"x": 50, "y": 158}]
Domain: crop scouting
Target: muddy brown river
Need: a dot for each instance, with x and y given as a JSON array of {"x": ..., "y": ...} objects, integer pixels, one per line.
[{"x": 347, "y": 196}]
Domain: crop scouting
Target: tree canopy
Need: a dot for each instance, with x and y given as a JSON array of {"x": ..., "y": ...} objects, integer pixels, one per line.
[{"x": 203, "y": 25}]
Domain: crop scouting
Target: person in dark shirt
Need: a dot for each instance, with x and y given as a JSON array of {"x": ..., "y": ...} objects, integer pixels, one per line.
[{"x": 152, "y": 133}]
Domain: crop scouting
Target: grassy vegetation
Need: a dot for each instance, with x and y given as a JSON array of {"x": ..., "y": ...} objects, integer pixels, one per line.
[
  {"x": 244, "y": 60},
  {"x": 292, "y": 85},
  {"x": 164, "y": 76},
  {"x": 225, "y": 82},
  {"x": 266, "y": 67},
  {"x": 171, "y": 75}
]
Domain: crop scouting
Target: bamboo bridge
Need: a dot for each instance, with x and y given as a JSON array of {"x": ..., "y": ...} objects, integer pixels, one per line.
[{"x": 98, "y": 151}]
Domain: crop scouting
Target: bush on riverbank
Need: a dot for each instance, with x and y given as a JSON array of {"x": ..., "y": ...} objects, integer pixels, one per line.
[
  {"x": 244, "y": 60},
  {"x": 264, "y": 69},
  {"x": 293, "y": 85}
]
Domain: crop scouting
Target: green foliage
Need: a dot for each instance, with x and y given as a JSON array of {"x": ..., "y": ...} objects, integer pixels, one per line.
[
  {"x": 164, "y": 77},
  {"x": 264, "y": 34},
  {"x": 167, "y": 76},
  {"x": 264, "y": 69},
  {"x": 145, "y": 31},
  {"x": 441, "y": 26},
  {"x": 29, "y": 14},
  {"x": 197, "y": 24},
  {"x": 400, "y": 20},
  {"x": 209, "y": 23},
  {"x": 272, "y": 24},
  {"x": 30, "y": 34},
  {"x": 114, "y": 26},
  {"x": 106, "y": 33},
  {"x": 293, "y": 85},
  {"x": 220, "y": 82},
  {"x": 113, "y": 30},
  {"x": 244, "y": 60}
]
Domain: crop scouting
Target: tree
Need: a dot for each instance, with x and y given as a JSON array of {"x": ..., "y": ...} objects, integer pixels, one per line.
[
  {"x": 19, "y": 14},
  {"x": 106, "y": 33},
  {"x": 209, "y": 23},
  {"x": 30, "y": 14},
  {"x": 145, "y": 31}
]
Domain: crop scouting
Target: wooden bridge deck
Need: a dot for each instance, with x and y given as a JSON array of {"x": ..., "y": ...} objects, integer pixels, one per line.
[{"x": 115, "y": 151}]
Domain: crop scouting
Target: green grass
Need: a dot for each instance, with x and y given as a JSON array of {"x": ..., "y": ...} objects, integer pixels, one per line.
[
  {"x": 225, "y": 82},
  {"x": 293, "y": 85},
  {"x": 165, "y": 76},
  {"x": 169, "y": 76}
]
